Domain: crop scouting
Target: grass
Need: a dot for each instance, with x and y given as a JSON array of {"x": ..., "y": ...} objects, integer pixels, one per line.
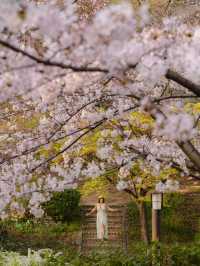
[{"x": 23, "y": 234}]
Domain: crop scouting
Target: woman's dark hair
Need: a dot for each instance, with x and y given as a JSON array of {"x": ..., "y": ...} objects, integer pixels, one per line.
[{"x": 102, "y": 198}]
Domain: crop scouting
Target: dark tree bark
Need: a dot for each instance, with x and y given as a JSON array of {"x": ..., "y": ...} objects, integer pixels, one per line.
[
  {"x": 143, "y": 221},
  {"x": 191, "y": 152}
]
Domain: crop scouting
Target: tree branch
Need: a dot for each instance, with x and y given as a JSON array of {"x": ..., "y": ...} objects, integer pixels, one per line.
[
  {"x": 191, "y": 86},
  {"x": 52, "y": 63},
  {"x": 171, "y": 74},
  {"x": 66, "y": 148},
  {"x": 192, "y": 153}
]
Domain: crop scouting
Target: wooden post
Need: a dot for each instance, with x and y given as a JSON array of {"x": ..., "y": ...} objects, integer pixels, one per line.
[{"x": 155, "y": 225}]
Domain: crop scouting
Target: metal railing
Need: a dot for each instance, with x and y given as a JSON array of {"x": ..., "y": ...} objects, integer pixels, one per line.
[{"x": 124, "y": 229}]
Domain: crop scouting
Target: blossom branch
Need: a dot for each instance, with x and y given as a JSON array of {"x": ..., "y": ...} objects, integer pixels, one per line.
[
  {"x": 52, "y": 63},
  {"x": 68, "y": 146},
  {"x": 191, "y": 86},
  {"x": 171, "y": 74}
]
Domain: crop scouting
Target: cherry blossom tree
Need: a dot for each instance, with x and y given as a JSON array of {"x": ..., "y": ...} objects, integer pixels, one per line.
[
  {"x": 121, "y": 155},
  {"x": 64, "y": 76}
]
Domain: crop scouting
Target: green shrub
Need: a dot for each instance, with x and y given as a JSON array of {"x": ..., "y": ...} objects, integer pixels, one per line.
[
  {"x": 63, "y": 206},
  {"x": 157, "y": 255},
  {"x": 134, "y": 221},
  {"x": 113, "y": 258},
  {"x": 176, "y": 218},
  {"x": 43, "y": 257},
  {"x": 180, "y": 220},
  {"x": 19, "y": 235}
]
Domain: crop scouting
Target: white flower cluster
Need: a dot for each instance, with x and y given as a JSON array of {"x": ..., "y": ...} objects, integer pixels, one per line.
[
  {"x": 177, "y": 127},
  {"x": 113, "y": 42},
  {"x": 121, "y": 185},
  {"x": 104, "y": 152},
  {"x": 92, "y": 170},
  {"x": 168, "y": 186},
  {"x": 152, "y": 68},
  {"x": 124, "y": 172},
  {"x": 186, "y": 58},
  {"x": 112, "y": 34},
  {"x": 34, "y": 204}
]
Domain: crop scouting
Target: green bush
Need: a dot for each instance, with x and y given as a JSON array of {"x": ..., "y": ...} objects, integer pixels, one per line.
[
  {"x": 43, "y": 257},
  {"x": 63, "y": 206},
  {"x": 157, "y": 255},
  {"x": 134, "y": 221},
  {"x": 113, "y": 258},
  {"x": 176, "y": 219},
  {"x": 19, "y": 235},
  {"x": 180, "y": 221},
  {"x": 185, "y": 256}
]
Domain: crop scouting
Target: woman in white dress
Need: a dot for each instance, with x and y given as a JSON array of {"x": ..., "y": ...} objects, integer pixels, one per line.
[{"x": 102, "y": 218}]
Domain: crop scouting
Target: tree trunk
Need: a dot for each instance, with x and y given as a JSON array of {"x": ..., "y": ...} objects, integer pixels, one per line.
[
  {"x": 191, "y": 152},
  {"x": 143, "y": 221},
  {"x": 178, "y": 78}
]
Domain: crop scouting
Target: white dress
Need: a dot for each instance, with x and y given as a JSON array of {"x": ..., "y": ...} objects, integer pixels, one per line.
[{"x": 102, "y": 221}]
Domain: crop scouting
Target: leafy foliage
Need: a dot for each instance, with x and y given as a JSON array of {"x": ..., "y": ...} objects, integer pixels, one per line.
[
  {"x": 98, "y": 185},
  {"x": 19, "y": 235},
  {"x": 179, "y": 255},
  {"x": 179, "y": 220},
  {"x": 63, "y": 206}
]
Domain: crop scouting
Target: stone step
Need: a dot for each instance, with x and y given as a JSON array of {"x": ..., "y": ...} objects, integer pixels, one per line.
[
  {"x": 110, "y": 221},
  {"x": 95, "y": 240},
  {"x": 92, "y": 226},
  {"x": 110, "y": 229},
  {"x": 88, "y": 250},
  {"x": 119, "y": 213},
  {"x": 117, "y": 210},
  {"x": 100, "y": 247},
  {"x": 112, "y": 239},
  {"x": 94, "y": 234},
  {"x": 85, "y": 249},
  {"x": 110, "y": 218},
  {"x": 115, "y": 230},
  {"x": 106, "y": 243},
  {"x": 110, "y": 205},
  {"x": 110, "y": 214}
]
